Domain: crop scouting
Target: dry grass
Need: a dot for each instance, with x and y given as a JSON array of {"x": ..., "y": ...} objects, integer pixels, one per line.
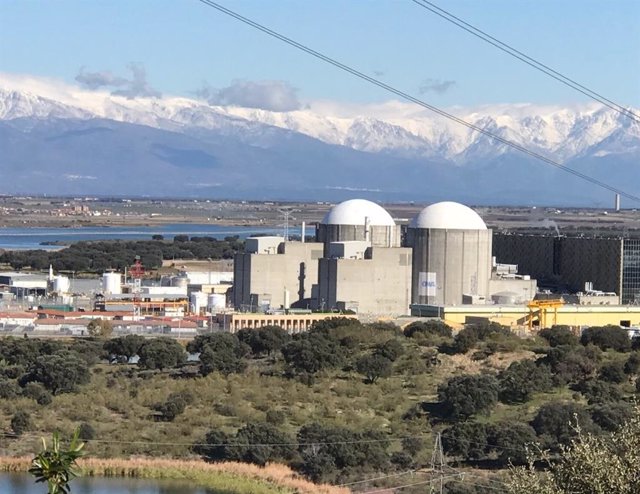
[{"x": 229, "y": 476}]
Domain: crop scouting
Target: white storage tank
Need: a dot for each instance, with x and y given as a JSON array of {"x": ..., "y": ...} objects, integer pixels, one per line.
[
  {"x": 61, "y": 284},
  {"x": 112, "y": 283},
  {"x": 216, "y": 301},
  {"x": 198, "y": 300}
]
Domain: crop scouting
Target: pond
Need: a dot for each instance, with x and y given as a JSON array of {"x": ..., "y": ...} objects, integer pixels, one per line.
[{"x": 22, "y": 483}]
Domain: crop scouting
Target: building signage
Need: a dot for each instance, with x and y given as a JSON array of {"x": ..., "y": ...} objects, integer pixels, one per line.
[{"x": 427, "y": 283}]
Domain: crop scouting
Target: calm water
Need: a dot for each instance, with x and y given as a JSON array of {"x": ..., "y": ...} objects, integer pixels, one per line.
[
  {"x": 24, "y": 484},
  {"x": 31, "y": 238}
]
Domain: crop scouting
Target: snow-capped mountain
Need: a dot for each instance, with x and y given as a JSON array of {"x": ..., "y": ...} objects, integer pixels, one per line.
[{"x": 369, "y": 145}]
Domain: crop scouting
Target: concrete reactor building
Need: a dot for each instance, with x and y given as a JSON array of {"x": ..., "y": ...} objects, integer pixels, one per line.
[
  {"x": 452, "y": 260},
  {"x": 364, "y": 267},
  {"x": 274, "y": 273}
]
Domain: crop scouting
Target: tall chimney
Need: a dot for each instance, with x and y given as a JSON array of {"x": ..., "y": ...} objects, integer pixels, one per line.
[
  {"x": 303, "y": 231},
  {"x": 617, "y": 206}
]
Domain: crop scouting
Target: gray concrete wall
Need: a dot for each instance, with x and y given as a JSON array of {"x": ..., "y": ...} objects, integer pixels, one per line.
[
  {"x": 460, "y": 259},
  {"x": 265, "y": 276},
  {"x": 380, "y": 284}
]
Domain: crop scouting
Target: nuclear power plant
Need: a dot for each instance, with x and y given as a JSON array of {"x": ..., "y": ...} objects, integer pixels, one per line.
[{"x": 363, "y": 262}]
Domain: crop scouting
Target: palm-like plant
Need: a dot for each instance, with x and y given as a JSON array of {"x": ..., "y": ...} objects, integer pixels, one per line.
[{"x": 55, "y": 465}]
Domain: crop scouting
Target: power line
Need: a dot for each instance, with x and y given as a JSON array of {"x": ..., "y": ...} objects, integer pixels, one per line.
[
  {"x": 417, "y": 101},
  {"x": 510, "y": 50},
  {"x": 383, "y": 477}
]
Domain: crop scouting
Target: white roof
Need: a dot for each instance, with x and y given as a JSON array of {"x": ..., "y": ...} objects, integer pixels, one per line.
[
  {"x": 354, "y": 212},
  {"x": 448, "y": 215}
]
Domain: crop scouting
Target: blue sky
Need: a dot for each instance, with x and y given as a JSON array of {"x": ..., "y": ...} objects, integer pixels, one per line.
[{"x": 182, "y": 44}]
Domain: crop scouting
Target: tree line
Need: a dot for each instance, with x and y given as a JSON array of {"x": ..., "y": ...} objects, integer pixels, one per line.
[{"x": 99, "y": 256}]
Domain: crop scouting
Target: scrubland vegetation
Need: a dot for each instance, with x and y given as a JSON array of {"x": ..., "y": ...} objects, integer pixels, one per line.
[{"x": 342, "y": 403}]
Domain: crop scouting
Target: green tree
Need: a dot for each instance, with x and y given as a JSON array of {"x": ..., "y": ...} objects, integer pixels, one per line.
[
  {"x": 632, "y": 365},
  {"x": 427, "y": 328},
  {"x": 265, "y": 340},
  {"x": 56, "y": 465},
  {"x": 161, "y": 353},
  {"x": 510, "y": 441},
  {"x": 123, "y": 348},
  {"x": 61, "y": 372},
  {"x": 391, "y": 349},
  {"x": 555, "y": 423},
  {"x": 100, "y": 328},
  {"x": 607, "y": 337},
  {"x": 313, "y": 352},
  {"x": 464, "y": 396},
  {"x": 559, "y": 335},
  {"x": 613, "y": 372},
  {"x": 521, "y": 379},
  {"x": 467, "y": 440},
  {"x": 373, "y": 367},
  {"x": 220, "y": 352}
]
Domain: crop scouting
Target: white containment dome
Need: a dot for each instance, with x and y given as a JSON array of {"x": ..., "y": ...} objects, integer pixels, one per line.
[
  {"x": 357, "y": 212},
  {"x": 448, "y": 215}
]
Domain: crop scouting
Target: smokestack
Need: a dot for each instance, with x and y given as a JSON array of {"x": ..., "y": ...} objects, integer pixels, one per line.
[
  {"x": 367, "y": 228},
  {"x": 617, "y": 205},
  {"x": 303, "y": 232}
]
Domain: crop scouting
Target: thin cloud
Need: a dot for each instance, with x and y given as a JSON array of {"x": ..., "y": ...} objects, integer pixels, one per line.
[
  {"x": 136, "y": 86},
  {"x": 435, "y": 86},
  {"x": 276, "y": 96}
]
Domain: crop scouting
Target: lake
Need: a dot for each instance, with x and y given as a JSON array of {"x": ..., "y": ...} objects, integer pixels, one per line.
[
  {"x": 22, "y": 483},
  {"x": 31, "y": 238}
]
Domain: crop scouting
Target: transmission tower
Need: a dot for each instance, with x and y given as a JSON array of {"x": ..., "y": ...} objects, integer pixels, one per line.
[
  {"x": 287, "y": 218},
  {"x": 437, "y": 466}
]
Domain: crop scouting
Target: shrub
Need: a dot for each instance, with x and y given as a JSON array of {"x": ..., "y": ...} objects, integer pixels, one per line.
[
  {"x": 555, "y": 422},
  {"x": 607, "y": 337},
  {"x": 613, "y": 372},
  {"x": 9, "y": 389},
  {"x": 632, "y": 365},
  {"x": 427, "y": 328},
  {"x": 521, "y": 379},
  {"x": 467, "y": 440},
  {"x": 37, "y": 391},
  {"x": 86, "y": 432},
  {"x": 275, "y": 417},
  {"x": 611, "y": 416},
  {"x": 21, "y": 422},
  {"x": 463, "y": 396},
  {"x": 559, "y": 335},
  {"x": 390, "y": 349}
]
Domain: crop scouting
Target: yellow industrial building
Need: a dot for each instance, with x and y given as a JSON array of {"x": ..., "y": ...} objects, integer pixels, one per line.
[{"x": 521, "y": 316}]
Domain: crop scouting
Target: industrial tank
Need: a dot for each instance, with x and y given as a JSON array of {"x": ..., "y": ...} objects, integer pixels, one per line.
[
  {"x": 61, "y": 284},
  {"x": 198, "y": 301},
  {"x": 180, "y": 281},
  {"x": 451, "y": 254},
  {"x": 112, "y": 283},
  {"x": 216, "y": 301}
]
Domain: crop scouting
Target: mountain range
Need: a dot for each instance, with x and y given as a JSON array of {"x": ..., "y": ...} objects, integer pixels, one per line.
[{"x": 94, "y": 143}]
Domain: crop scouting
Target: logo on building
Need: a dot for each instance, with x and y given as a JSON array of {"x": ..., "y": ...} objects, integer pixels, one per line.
[{"x": 427, "y": 284}]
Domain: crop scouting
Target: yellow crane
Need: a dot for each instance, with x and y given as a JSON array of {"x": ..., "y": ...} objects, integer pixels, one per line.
[{"x": 540, "y": 308}]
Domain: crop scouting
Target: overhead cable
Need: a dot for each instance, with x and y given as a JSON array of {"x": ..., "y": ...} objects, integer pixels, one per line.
[
  {"x": 510, "y": 50},
  {"x": 417, "y": 101}
]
